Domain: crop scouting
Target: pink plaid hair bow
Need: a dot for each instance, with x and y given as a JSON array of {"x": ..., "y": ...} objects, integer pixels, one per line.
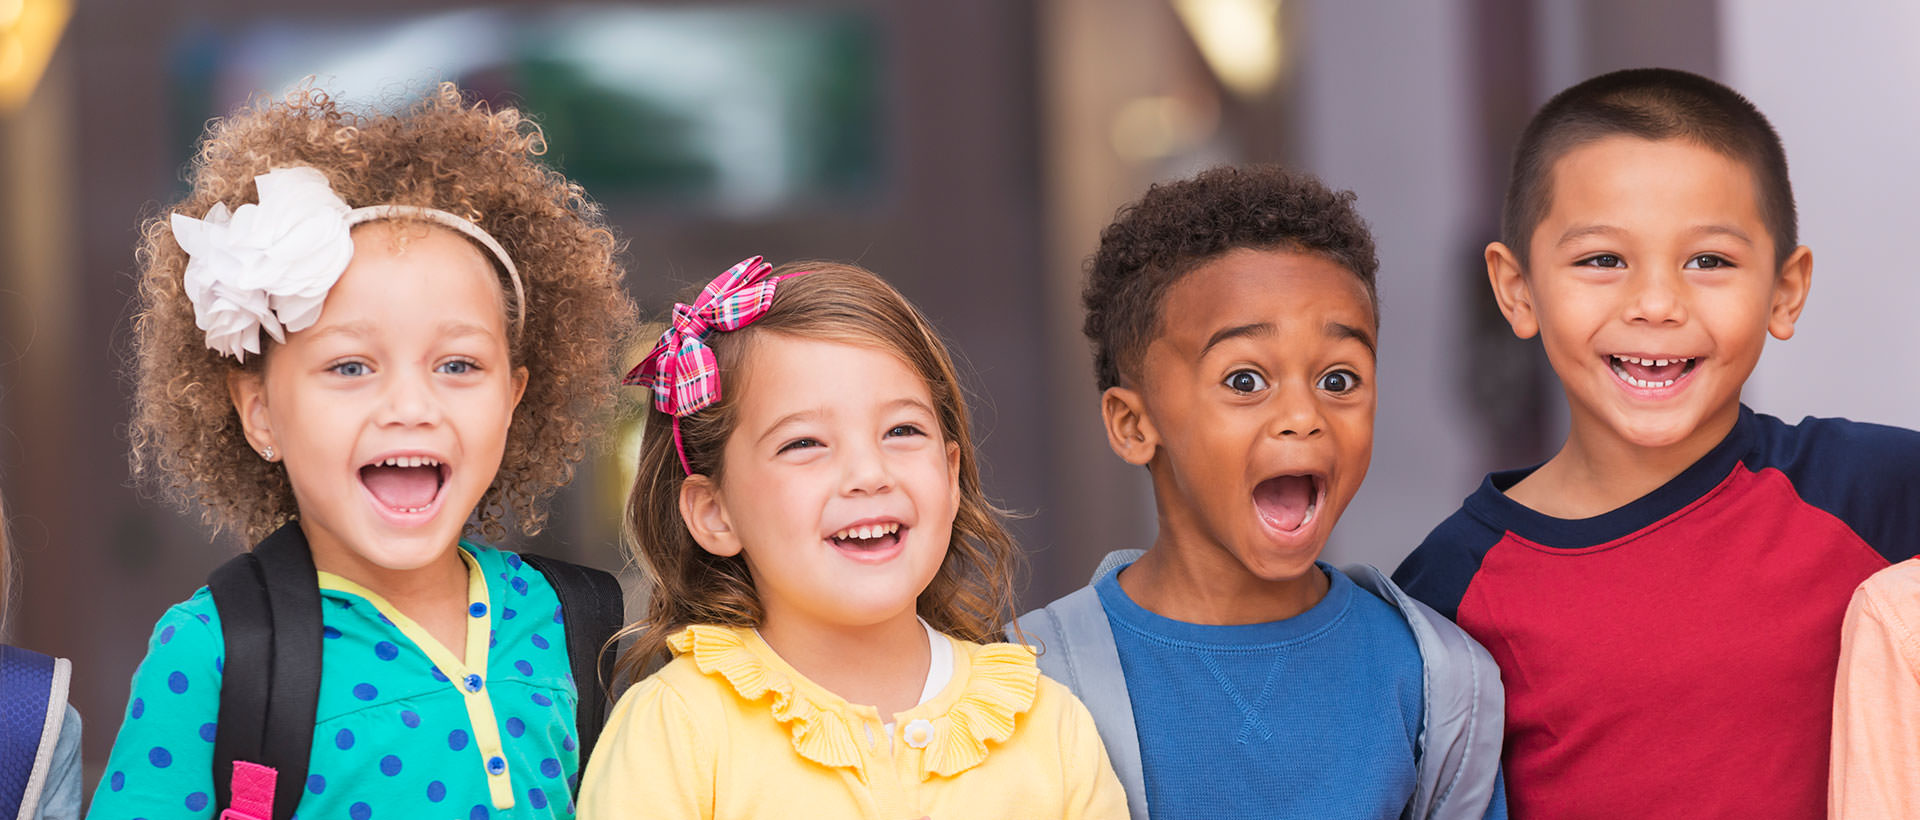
[{"x": 682, "y": 371}]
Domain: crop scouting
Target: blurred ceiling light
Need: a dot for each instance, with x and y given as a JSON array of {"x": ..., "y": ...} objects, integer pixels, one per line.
[
  {"x": 29, "y": 30},
  {"x": 1240, "y": 40},
  {"x": 1149, "y": 128}
]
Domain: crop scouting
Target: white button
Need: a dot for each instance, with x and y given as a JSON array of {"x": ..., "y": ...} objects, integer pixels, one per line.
[{"x": 919, "y": 733}]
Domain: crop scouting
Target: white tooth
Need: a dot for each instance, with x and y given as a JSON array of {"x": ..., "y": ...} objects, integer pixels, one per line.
[
  {"x": 413, "y": 461},
  {"x": 866, "y": 533},
  {"x": 1660, "y": 363}
]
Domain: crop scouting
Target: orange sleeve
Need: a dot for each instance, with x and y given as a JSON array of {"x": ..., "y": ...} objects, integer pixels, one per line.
[{"x": 1876, "y": 708}]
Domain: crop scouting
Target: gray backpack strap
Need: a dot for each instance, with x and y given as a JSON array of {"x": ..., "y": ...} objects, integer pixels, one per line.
[
  {"x": 1075, "y": 641},
  {"x": 1463, "y": 715}
]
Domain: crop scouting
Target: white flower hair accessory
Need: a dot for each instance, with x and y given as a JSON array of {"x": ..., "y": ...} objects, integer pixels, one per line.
[{"x": 268, "y": 266}]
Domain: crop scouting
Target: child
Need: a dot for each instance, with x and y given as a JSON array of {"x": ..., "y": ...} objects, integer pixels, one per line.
[
  {"x": 821, "y": 562},
  {"x": 1876, "y": 708},
  {"x": 40, "y": 736},
  {"x": 1233, "y": 319},
  {"x": 1664, "y": 595},
  {"x": 359, "y": 337}
]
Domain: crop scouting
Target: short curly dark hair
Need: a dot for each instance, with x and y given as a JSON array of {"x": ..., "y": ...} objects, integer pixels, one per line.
[
  {"x": 1179, "y": 226},
  {"x": 444, "y": 152}
]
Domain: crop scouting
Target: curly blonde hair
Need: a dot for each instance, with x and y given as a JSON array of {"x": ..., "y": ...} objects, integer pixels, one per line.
[
  {"x": 971, "y": 595},
  {"x": 445, "y": 152}
]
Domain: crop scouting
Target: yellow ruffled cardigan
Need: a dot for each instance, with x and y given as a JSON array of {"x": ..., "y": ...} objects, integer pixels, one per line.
[{"x": 729, "y": 730}]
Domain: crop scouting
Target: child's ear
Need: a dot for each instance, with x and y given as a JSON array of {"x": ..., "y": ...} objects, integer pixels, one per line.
[
  {"x": 1129, "y": 431},
  {"x": 1790, "y": 292},
  {"x": 953, "y": 471},
  {"x": 706, "y": 516},
  {"x": 519, "y": 385},
  {"x": 1510, "y": 289},
  {"x": 248, "y": 391}
]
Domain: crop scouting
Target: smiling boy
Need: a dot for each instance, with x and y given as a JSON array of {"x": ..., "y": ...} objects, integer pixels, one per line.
[
  {"x": 1664, "y": 595},
  {"x": 1234, "y": 318}
]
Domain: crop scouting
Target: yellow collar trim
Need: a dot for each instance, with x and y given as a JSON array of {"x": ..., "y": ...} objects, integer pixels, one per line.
[
  {"x": 991, "y": 686},
  {"x": 467, "y": 677}
]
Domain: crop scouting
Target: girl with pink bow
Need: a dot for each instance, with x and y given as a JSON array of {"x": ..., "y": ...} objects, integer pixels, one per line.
[{"x": 825, "y": 580}]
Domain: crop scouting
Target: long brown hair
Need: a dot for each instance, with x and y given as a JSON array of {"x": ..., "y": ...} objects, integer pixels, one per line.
[{"x": 971, "y": 595}]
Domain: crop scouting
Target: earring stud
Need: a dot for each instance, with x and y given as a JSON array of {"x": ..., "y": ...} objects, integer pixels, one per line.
[{"x": 267, "y": 452}]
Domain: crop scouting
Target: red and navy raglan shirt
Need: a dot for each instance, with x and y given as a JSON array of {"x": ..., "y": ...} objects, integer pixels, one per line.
[{"x": 1676, "y": 657}]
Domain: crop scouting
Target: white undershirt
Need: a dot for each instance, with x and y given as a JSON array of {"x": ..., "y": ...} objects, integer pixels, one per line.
[{"x": 939, "y": 668}]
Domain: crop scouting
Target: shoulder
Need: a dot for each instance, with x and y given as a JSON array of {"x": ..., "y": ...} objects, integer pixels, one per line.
[
  {"x": 1439, "y": 570},
  {"x": 1891, "y": 592},
  {"x": 1866, "y": 475},
  {"x": 189, "y": 626}
]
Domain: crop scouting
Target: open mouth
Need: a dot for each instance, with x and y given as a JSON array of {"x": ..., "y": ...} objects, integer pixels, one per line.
[
  {"x": 405, "y": 484},
  {"x": 1289, "y": 503},
  {"x": 868, "y": 538},
  {"x": 1650, "y": 373}
]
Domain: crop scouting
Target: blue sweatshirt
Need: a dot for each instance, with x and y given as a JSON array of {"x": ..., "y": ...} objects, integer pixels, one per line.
[{"x": 1315, "y": 716}]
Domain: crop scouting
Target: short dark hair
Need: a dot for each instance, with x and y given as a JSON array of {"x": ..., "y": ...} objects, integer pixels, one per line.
[
  {"x": 1653, "y": 104},
  {"x": 1179, "y": 226}
]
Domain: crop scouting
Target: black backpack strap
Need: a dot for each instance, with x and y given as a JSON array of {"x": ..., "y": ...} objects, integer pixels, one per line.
[
  {"x": 269, "y": 605},
  {"x": 594, "y": 612}
]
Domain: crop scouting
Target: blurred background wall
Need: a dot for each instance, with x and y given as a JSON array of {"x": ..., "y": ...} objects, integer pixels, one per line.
[{"x": 970, "y": 152}]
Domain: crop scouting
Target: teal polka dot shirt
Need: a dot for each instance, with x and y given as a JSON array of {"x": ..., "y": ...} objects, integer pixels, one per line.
[{"x": 403, "y": 731}]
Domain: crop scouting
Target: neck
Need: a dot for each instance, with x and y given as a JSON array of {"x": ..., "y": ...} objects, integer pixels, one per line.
[
  {"x": 1190, "y": 578},
  {"x": 881, "y": 665},
  {"x": 433, "y": 595},
  {"x": 1597, "y": 471}
]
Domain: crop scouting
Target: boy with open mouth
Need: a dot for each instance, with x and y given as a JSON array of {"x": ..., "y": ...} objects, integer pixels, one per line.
[{"x": 1231, "y": 673}]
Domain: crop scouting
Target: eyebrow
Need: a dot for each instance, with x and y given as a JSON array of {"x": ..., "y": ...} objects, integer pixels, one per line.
[
  {"x": 1253, "y": 330},
  {"x": 816, "y": 412},
  {"x": 1584, "y": 231},
  {"x": 1341, "y": 330}
]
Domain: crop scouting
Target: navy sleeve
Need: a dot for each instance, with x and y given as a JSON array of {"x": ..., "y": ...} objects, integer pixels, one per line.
[
  {"x": 1438, "y": 571},
  {"x": 1867, "y": 475}
]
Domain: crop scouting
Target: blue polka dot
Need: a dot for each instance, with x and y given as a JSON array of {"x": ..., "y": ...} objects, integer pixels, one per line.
[
  {"x": 390, "y": 765},
  {"x": 507, "y": 613},
  {"x": 359, "y": 811},
  {"x": 365, "y": 691},
  {"x": 385, "y": 620},
  {"x": 202, "y": 617},
  {"x": 558, "y": 617},
  {"x": 208, "y": 732},
  {"x": 411, "y": 718},
  {"x": 386, "y": 651},
  {"x": 516, "y": 727},
  {"x": 539, "y": 642},
  {"x": 541, "y": 700},
  {"x": 220, "y": 664},
  {"x": 524, "y": 667},
  {"x": 493, "y": 639},
  {"x": 160, "y": 757},
  {"x": 457, "y": 740},
  {"x": 478, "y": 813},
  {"x": 568, "y": 743},
  {"x": 550, "y": 767},
  {"x": 344, "y": 739},
  {"x": 437, "y": 674},
  {"x": 343, "y": 603},
  {"x": 177, "y": 682},
  {"x": 536, "y": 798},
  {"x": 316, "y": 783},
  {"x": 477, "y": 610},
  {"x": 520, "y": 585},
  {"x": 514, "y": 561},
  {"x": 119, "y": 781},
  {"x": 139, "y": 708},
  {"x": 436, "y": 791},
  {"x": 166, "y": 634},
  {"x": 196, "y": 801},
  {"x": 330, "y": 632}
]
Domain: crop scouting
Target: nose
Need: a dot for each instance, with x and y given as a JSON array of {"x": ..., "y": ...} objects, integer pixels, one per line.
[
  {"x": 865, "y": 470},
  {"x": 1296, "y": 412},
  {"x": 408, "y": 400},
  {"x": 1658, "y": 298}
]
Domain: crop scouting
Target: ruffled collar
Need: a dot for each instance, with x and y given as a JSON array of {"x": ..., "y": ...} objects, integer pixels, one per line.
[{"x": 992, "y": 685}]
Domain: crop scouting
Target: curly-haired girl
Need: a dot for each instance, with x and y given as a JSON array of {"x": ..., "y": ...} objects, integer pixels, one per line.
[
  {"x": 822, "y": 562},
  {"x": 361, "y": 336}
]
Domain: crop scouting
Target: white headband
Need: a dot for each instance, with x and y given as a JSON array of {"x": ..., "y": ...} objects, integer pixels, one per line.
[{"x": 268, "y": 266}]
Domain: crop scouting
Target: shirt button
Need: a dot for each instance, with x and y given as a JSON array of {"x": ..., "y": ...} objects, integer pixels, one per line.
[
  {"x": 473, "y": 683},
  {"x": 478, "y": 610},
  {"x": 919, "y": 733},
  {"x": 496, "y": 765}
]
